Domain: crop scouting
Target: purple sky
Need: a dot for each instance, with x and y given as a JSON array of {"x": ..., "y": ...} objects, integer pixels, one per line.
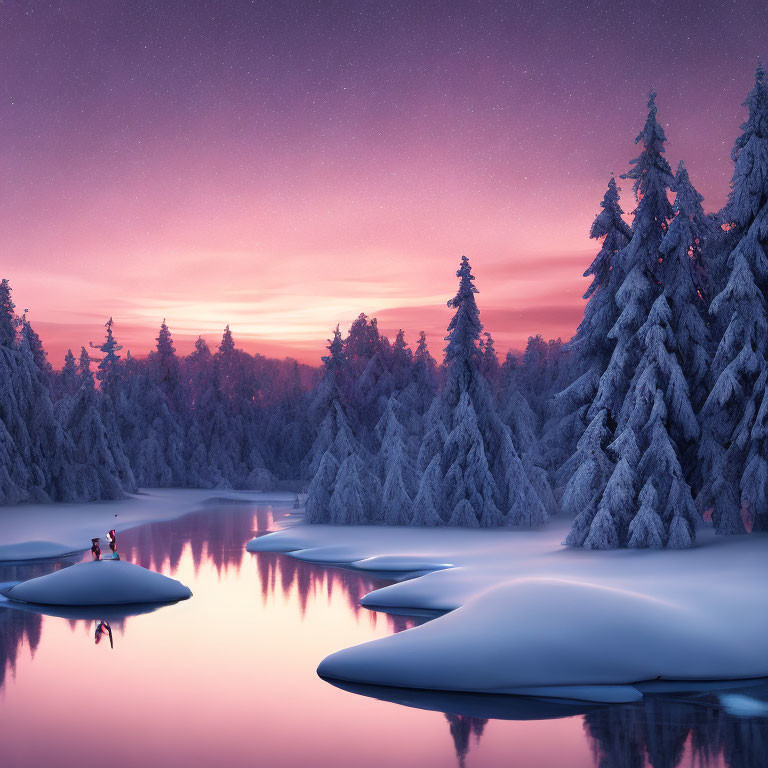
[{"x": 282, "y": 166}]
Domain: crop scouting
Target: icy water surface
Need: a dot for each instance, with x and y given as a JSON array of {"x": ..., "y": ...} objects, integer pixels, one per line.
[{"x": 228, "y": 679}]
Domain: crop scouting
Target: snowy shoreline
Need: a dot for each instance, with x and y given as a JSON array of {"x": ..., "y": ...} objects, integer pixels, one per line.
[
  {"x": 520, "y": 614},
  {"x": 39, "y": 531}
]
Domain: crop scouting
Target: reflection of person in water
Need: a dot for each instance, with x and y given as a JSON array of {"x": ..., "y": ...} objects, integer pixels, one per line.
[
  {"x": 95, "y": 549},
  {"x": 112, "y": 540},
  {"x": 103, "y": 628}
]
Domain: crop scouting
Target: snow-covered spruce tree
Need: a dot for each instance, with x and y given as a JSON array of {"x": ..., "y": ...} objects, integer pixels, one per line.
[
  {"x": 489, "y": 361},
  {"x": 66, "y": 382},
  {"x": 479, "y": 462},
  {"x": 660, "y": 467},
  {"x": 541, "y": 373},
  {"x": 636, "y": 268},
  {"x": 682, "y": 274},
  {"x": 659, "y": 380},
  {"x": 242, "y": 386},
  {"x": 220, "y": 432},
  {"x": 337, "y": 464},
  {"x": 468, "y": 477},
  {"x": 396, "y": 467},
  {"x": 320, "y": 490},
  {"x": 370, "y": 376},
  {"x": 637, "y": 264},
  {"x": 9, "y": 322},
  {"x": 214, "y": 402},
  {"x": 39, "y": 354},
  {"x": 327, "y": 391},
  {"x": 114, "y": 409},
  {"x": 610, "y": 526},
  {"x": 50, "y": 446},
  {"x": 591, "y": 345},
  {"x": 349, "y": 503},
  {"x": 424, "y": 362},
  {"x": 591, "y": 471},
  {"x": 94, "y": 473},
  {"x": 646, "y": 531},
  {"x": 198, "y": 366},
  {"x": 325, "y": 406},
  {"x": 418, "y": 395},
  {"x": 164, "y": 405},
  {"x": 36, "y": 450},
  {"x": 402, "y": 360},
  {"x": 287, "y": 436},
  {"x": 516, "y": 412},
  {"x": 435, "y": 434},
  {"x": 732, "y": 457},
  {"x": 16, "y": 474},
  {"x": 658, "y": 414},
  {"x": 620, "y": 494},
  {"x": 109, "y": 349},
  {"x": 428, "y": 501}
]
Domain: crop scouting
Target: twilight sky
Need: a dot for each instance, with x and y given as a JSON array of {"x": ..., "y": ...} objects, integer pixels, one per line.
[{"x": 283, "y": 165}]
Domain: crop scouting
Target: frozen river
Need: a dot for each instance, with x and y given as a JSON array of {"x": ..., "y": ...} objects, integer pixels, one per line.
[{"x": 228, "y": 678}]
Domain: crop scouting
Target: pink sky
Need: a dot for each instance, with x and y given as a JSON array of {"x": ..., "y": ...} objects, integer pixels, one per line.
[
  {"x": 284, "y": 258},
  {"x": 284, "y": 175}
]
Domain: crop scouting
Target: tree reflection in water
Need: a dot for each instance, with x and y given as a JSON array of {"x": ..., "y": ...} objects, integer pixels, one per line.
[
  {"x": 19, "y": 628},
  {"x": 660, "y": 731},
  {"x": 463, "y": 727},
  {"x": 16, "y": 629},
  {"x": 215, "y": 536}
]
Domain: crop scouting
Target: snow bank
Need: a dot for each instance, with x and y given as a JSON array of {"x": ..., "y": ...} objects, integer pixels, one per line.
[
  {"x": 529, "y": 617},
  {"x": 34, "y": 531},
  {"x": 100, "y": 582},
  {"x": 400, "y": 563},
  {"x": 535, "y": 633},
  {"x": 487, "y": 706}
]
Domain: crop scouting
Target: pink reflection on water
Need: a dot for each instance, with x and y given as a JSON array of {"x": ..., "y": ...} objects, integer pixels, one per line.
[{"x": 228, "y": 677}]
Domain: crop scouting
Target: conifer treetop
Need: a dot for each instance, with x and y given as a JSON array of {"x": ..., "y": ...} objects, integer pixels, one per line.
[
  {"x": 8, "y": 319},
  {"x": 164, "y": 340},
  {"x": 464, "y": 328},
  {"x": 110, "y": 348},
  {"x": 227, "y": 345},
  {"x": 651, "y": 158}
]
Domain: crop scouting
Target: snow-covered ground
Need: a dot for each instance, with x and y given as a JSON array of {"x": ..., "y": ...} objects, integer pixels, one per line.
[
  {"x": 100, "y": 582},
  {"x": 33, "y": 531},
  {"x": 528, "y": 616}
]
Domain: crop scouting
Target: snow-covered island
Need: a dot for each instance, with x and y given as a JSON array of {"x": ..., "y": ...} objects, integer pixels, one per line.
[{"x": 100, "y": 582}]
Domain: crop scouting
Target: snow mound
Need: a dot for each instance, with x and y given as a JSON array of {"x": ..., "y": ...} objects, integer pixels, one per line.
[
  {"x": 529, "y": 617},
  {"x": 404, "y": 563},
  {"x": 550, "y": 637},
  {"x": 100, "y": 582}
]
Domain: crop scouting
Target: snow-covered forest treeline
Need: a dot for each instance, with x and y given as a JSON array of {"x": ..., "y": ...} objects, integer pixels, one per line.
[
  {"x": 207, "y": 420},
  {"x": 651, "y": 418}
]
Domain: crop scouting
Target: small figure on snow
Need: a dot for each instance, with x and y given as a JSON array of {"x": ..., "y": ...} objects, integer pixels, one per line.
[
  {"x": 112, "y": 540},
  {"x": 95, "y": 549},
  {"x": 103, "y": 628}
]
